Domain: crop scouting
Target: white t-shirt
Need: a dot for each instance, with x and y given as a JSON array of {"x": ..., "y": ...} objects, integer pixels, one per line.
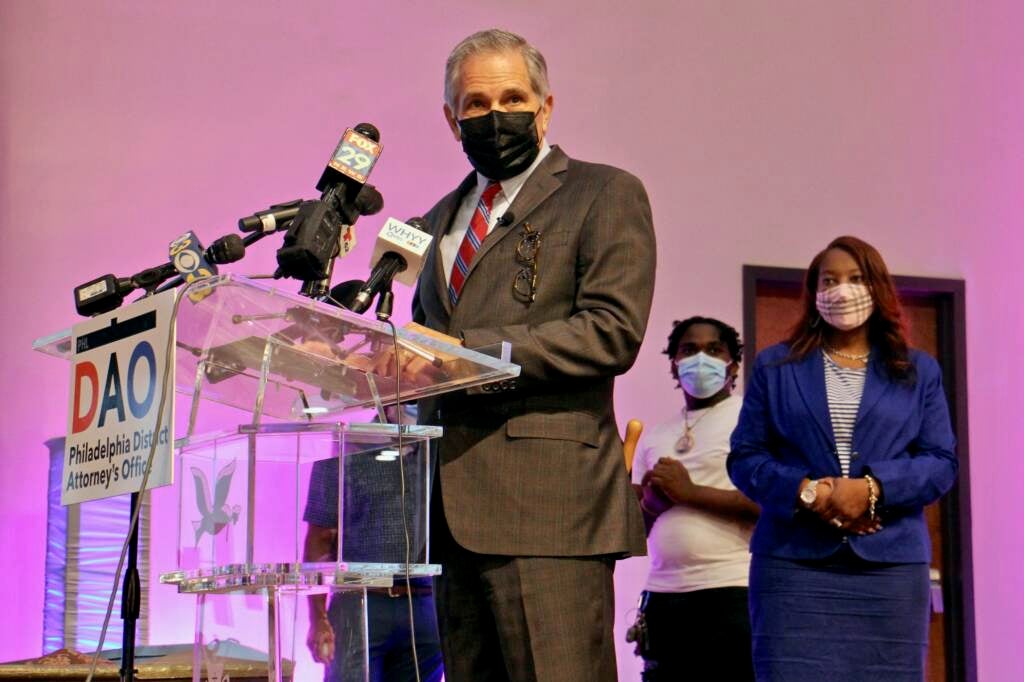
[{"x": 692, "y": 549}]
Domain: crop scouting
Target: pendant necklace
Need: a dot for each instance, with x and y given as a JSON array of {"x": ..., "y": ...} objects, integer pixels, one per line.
[{"x": 687, "y": 441}]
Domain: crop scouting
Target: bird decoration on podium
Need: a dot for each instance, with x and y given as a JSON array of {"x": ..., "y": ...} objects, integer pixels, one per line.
[{"x": 215, "y": 515}]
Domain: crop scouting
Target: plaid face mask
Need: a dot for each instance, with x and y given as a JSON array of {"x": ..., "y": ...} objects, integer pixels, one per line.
[{"x": 845, "y": 306}]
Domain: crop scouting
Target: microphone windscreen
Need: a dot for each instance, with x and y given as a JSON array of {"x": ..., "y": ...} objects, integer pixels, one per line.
[
  {"x": 367, "y": 202},
  {"x": 369, "y": 130},
  {"x": 227, "y": 249},
  {"x": 345, "y": 293}
]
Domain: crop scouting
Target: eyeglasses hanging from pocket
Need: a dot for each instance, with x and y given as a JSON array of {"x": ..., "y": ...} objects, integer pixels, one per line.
[{"x": 525, "y": 283}]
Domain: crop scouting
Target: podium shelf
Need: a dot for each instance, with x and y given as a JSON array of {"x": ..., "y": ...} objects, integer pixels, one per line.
[{"x": 302, "y": 577}]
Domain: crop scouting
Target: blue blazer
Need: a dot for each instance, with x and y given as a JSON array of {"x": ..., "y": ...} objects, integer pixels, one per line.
[{"x": 902, "y": 437}]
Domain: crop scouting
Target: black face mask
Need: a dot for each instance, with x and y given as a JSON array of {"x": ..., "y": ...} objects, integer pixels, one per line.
[{"x": 501, "y": 144}]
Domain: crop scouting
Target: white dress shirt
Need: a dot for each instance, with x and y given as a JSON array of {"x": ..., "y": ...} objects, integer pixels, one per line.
[{"x": 451, "y": 242}]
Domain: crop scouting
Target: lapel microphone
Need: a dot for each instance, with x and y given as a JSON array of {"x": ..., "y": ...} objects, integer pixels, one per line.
[{"x": 506, "y": 219}]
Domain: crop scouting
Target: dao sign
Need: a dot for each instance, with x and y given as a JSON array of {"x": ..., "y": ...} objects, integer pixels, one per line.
[{"x": 116, "y": 374}]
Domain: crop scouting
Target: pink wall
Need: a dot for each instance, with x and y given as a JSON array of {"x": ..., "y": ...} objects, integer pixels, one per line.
[{"x": 761, "y": 130}]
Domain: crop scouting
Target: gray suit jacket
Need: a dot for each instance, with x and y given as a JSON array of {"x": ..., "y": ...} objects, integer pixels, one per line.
[{"x": 536, "y": 468}]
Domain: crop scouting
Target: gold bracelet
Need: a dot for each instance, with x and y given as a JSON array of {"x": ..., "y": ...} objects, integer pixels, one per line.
[{"x": 872, "y": 495}]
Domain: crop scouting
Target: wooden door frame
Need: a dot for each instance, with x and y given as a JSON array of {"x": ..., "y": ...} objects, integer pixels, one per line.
[{"x": 951, "y": 340}]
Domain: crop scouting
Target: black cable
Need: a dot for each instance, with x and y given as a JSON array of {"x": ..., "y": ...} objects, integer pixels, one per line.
[
  {"x": 401, "y": 475},
  {"x": 405, "y": 517}
]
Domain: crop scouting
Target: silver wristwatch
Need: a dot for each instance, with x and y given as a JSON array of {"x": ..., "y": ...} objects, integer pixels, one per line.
[{"x": 810, "y": 493}]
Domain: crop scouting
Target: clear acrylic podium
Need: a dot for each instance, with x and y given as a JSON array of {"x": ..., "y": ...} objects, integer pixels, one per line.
[{"x": 263, "y": 379}]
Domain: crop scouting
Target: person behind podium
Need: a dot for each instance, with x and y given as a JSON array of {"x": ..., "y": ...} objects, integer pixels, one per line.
[
  {"x": 532, "y": 502},
  {"x": 374, "y": 532},
  {"x": 843, "y": 439}
]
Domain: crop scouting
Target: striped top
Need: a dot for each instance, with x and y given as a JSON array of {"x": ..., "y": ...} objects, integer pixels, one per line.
[{"x": 844, "y": 388}]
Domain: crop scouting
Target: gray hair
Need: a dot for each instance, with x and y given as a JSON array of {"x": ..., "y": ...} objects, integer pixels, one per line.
[{"x": 495, "y": 40}]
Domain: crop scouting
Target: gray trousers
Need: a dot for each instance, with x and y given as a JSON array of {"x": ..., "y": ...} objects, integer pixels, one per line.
[{"x": 524, "y": 619}]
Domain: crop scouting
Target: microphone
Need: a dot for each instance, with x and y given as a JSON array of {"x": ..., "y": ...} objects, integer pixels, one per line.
[
  {"x": 101, "y": 295},
  {"x": 272, "y": 219},
  {"x": 278, "y": 216},
  {"x": 227, "y": 249},
  {"x": 192, "y": 263},
  {"x": 311, "y": 243},
  {"x": 107, "y": 292},
  {"x": 344, "y": 294},
  {"x": 353, "y": 159},
  {"x": 398, "y": 254},
  {"x": 367, "y": 202},
  {"x": 506, "y": 219}
]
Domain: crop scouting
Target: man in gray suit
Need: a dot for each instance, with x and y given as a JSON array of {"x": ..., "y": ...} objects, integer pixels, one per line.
[{"x": 532, "y": 505}]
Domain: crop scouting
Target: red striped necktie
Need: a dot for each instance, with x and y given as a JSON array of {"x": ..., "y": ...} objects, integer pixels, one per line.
[{"x": 471, "y": 242}]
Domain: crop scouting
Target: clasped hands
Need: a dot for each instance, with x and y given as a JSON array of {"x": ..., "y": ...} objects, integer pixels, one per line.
[
  {"x": 844, "y": 503},
  {"x": 668, "y": 483}
]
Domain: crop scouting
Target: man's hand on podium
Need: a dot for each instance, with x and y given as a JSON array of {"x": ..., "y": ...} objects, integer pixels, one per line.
[
  {"x": 321, "y": 348},
  {"x": 416, "y": 369}
]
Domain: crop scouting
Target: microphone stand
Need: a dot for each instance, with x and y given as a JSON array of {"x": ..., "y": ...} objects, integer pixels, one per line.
[
  {"x": 131, "y": 598},
  {"x": 317, "y": 289},
  {"x": 131, "y": 587}
]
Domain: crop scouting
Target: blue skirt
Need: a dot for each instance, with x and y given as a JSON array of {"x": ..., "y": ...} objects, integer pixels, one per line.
[{"x": 838, "y": 619}]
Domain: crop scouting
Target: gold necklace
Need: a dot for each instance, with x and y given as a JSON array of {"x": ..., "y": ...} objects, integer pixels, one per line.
[
  {"x": 849, "y": 356},
  {"x": 687, "y": 441}
]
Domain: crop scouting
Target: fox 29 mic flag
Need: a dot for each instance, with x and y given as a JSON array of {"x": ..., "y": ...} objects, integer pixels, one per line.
[
  {"x": 354, "y": 157},
  {"x": 116, "y": 374}
]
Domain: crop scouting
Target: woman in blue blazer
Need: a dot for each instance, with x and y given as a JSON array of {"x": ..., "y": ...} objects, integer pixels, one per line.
[{"x": 843, "y": 439}]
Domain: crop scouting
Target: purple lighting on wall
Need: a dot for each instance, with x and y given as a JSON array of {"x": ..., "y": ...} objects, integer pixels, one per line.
[{"x": 758, "y": 129}]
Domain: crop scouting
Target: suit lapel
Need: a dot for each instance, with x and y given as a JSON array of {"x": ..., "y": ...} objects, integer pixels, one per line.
[
  {"x": 446, "y": 213},
  {"x": 810, "y": 381},
  {"x": 541, "y": 184},
  {"x": 876, "y": 382}
]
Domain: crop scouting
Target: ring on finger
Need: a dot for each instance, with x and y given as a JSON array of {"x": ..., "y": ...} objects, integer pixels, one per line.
[{"x": 837, "y": 522}]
